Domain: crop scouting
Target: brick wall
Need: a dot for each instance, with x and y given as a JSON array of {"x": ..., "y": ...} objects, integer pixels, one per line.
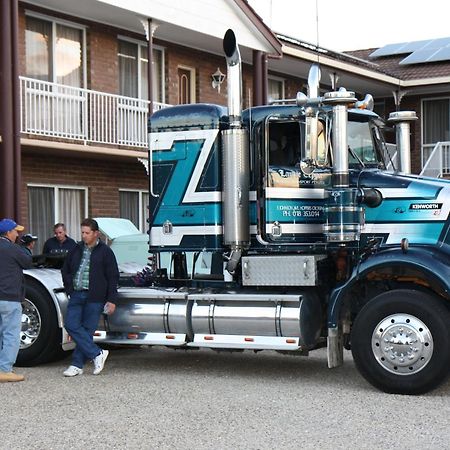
[
  {"x": 102, "y": 61},
  {"x": 102, "y": 177}
]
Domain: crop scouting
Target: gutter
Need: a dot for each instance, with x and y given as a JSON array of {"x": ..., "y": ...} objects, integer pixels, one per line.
[{"x": 335, "y": 64}]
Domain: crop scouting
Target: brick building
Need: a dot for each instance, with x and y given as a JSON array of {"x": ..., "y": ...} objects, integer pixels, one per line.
[{"x": 85, "y": 89}]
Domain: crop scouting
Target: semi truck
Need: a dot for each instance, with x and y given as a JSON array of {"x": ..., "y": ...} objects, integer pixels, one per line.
[{"x": 282, "y": 227}]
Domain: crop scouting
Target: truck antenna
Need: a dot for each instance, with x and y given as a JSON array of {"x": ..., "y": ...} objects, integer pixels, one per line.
[{"x": 317, "y": 31}]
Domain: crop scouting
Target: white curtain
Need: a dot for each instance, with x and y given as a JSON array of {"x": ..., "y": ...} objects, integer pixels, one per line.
[
  {"x": 71, "y": 211},
  {"x": 145, "y": 202},
  {"x": 41, "y": 214},
  {"x": 128, "y": 69},
  {"x": 275, "y": 89},
  {"x": 38, "y": 49},
  {"x": 129, "y": 206},
  {"x": 68, "y": 57}
]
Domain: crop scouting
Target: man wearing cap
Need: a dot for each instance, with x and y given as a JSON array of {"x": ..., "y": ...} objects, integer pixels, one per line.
[
  {"x": 12, "y": 290},
  {"x": 27, "y": 242}
]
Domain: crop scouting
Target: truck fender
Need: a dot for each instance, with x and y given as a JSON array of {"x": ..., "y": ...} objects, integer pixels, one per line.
[
  {"x": 51, "y": 281},
  {"x": 431, "y": 262}
]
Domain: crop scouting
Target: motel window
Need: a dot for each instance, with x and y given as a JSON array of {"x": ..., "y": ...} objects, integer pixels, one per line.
[
  {"x": 133, "y": 71},
  {"x": 48, "y": 205},
  {"x": 133, "y": 206},
  {"x": 275, "y": 89},
  {"x": 54, "y": 51},
  {"x": 435, "y": 124}
]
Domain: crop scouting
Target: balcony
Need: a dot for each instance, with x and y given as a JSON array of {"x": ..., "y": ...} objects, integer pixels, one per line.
[{"x": 63, "y": 112}]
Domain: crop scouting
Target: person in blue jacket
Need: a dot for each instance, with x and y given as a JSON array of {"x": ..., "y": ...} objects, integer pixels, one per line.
[
  {"x": 60, "y": 243},
  {"x": 12, "y": 291},
  {"x": 90, "y": 276}
]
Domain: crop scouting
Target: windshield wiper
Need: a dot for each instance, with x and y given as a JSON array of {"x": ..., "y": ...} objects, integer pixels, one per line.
[{"x": 352, "y": 152}]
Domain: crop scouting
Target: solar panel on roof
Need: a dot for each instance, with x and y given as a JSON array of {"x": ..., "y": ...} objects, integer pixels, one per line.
[
  {"x": 418, "y": 56},
  {"x": 442, "y": 54},
  {"x": 421, "y": 51},
  {"x": 398, "y": 49}
]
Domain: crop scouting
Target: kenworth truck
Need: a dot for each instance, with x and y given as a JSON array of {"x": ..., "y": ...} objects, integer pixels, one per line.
[{"x": 281, "y": 228}]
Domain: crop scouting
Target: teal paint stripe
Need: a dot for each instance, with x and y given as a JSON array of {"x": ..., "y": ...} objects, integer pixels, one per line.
[{"x": 398, "y": 210}]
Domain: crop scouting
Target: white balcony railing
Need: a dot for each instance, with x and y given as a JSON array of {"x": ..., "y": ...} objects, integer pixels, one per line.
[
  {"x": 437, "y": 160},
  {"x": 59, "y": 111}
]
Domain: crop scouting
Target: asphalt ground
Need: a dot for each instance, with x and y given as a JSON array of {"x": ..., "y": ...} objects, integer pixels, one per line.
[{"x": 157, "y": 398}]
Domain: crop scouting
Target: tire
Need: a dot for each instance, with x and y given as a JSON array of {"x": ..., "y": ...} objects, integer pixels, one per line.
[
  {"x": 401, "y": 342},
  {"x": 40, "y": 338}
]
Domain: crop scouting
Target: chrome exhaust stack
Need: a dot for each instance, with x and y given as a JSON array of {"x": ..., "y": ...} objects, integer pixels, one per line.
[
  {"x": 235, "y": 161},
  {"x": 402, "y": 121}
]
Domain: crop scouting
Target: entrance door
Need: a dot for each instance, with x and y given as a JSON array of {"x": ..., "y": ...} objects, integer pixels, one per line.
[{"x": 186, "y": 86}]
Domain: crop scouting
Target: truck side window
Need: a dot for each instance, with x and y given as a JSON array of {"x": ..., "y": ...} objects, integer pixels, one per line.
[{"x": 283, "y": 153}]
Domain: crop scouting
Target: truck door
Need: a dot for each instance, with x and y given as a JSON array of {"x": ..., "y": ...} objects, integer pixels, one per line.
[{"x": 292, "y": 207}]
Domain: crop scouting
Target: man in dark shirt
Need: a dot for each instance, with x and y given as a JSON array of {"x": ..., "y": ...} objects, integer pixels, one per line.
[
  {"x": 12, "y": 289},
  {"x": 90, "y": 275},
  {"x": 60, "y": 244}
]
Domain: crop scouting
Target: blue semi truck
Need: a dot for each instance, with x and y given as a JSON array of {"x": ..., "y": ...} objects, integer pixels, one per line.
[{"x": 282, "y": 227}]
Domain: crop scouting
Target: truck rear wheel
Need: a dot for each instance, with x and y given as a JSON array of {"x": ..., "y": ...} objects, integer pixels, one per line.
[
  {"x": 40, "y": 337},
  {"x": 401, "y": 342}
]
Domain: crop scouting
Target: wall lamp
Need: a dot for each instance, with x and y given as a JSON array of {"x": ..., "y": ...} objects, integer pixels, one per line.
[{"x": 217, "y": 79}]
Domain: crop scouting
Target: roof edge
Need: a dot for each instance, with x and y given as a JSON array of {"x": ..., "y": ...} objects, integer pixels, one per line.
[{"x": 257, "y": 21}]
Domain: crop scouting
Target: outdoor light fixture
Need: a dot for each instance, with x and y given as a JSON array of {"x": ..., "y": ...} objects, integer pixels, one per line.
[{"x": 217, "y": 79}]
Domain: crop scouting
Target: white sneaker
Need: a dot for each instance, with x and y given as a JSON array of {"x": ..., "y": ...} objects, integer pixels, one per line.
[
  {"x": 73, "y": 371},
  {"x": 99, "y": 361}
]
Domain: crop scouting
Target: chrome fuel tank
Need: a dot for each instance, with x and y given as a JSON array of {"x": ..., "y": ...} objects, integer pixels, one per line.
[
  {"x": 147, "y": 309},
  {"x": 182, "y": 312},
  {"x": 257, "y": 314}
]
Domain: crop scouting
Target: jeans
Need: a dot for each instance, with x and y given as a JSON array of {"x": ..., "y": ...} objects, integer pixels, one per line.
[
  {"x": 81, "y": 322},
  {"x": 10, "y": 326}
]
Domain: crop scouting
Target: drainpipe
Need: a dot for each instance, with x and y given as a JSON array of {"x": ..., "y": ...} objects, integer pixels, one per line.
[
  {"x": 149, "y": 67},
  {"x": 257, "y": 78},
  {"x": 16, "y": 110},
  {"x": 265, "y": 81},
  {"x": 7, "y": 153}
]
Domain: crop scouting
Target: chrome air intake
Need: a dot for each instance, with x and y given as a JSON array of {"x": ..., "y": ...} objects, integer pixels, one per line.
[
  {"x": 312, "y": 121},
  {"x": 343, "y": 210},
  {"x": 339, "y": 101},
  {"x": 314, "y": 76},
  {"x": 235, "y": 161},
  {"x": 402, "y": 121}
]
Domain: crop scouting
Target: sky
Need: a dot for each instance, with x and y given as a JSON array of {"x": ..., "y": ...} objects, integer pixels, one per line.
[{"x": 356, "y": 24}]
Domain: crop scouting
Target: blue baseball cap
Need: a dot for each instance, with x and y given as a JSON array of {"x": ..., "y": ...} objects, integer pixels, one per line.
[{"x": 9, "y": 225}]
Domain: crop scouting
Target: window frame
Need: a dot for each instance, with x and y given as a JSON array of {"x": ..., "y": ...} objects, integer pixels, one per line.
[
  {"x": 422, "y": 123},
  {"x": 283, "y": 86},
  {"x": 56, "y": 21},
  {"x": 141, "y": 45},
  {"x": 142, "y": 219},
  {"x": 56, "y": 188}
]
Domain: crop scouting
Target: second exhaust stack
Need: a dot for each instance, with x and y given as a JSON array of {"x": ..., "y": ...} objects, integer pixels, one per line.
[{"x": 235, "y": 161}]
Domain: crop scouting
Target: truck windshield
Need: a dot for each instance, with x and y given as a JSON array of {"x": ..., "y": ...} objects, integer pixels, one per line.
[{"x": 360, "y": 142}]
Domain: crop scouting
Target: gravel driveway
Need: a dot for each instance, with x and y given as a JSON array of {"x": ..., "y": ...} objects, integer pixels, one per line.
[{"x": 164, "y": 399}]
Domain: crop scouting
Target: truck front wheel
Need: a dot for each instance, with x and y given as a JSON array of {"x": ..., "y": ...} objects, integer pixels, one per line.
[
  {"x": 401, "y": 341},
  {"x": 40, "y": 337}
]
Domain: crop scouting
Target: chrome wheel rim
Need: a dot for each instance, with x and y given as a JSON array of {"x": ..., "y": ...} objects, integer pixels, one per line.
[
  {"x": 402, "y": 344},
  {"x": 31, "y": 324}
]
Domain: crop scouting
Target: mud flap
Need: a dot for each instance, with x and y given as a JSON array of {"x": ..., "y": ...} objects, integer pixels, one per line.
[{"x": 335, "y": 348}]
